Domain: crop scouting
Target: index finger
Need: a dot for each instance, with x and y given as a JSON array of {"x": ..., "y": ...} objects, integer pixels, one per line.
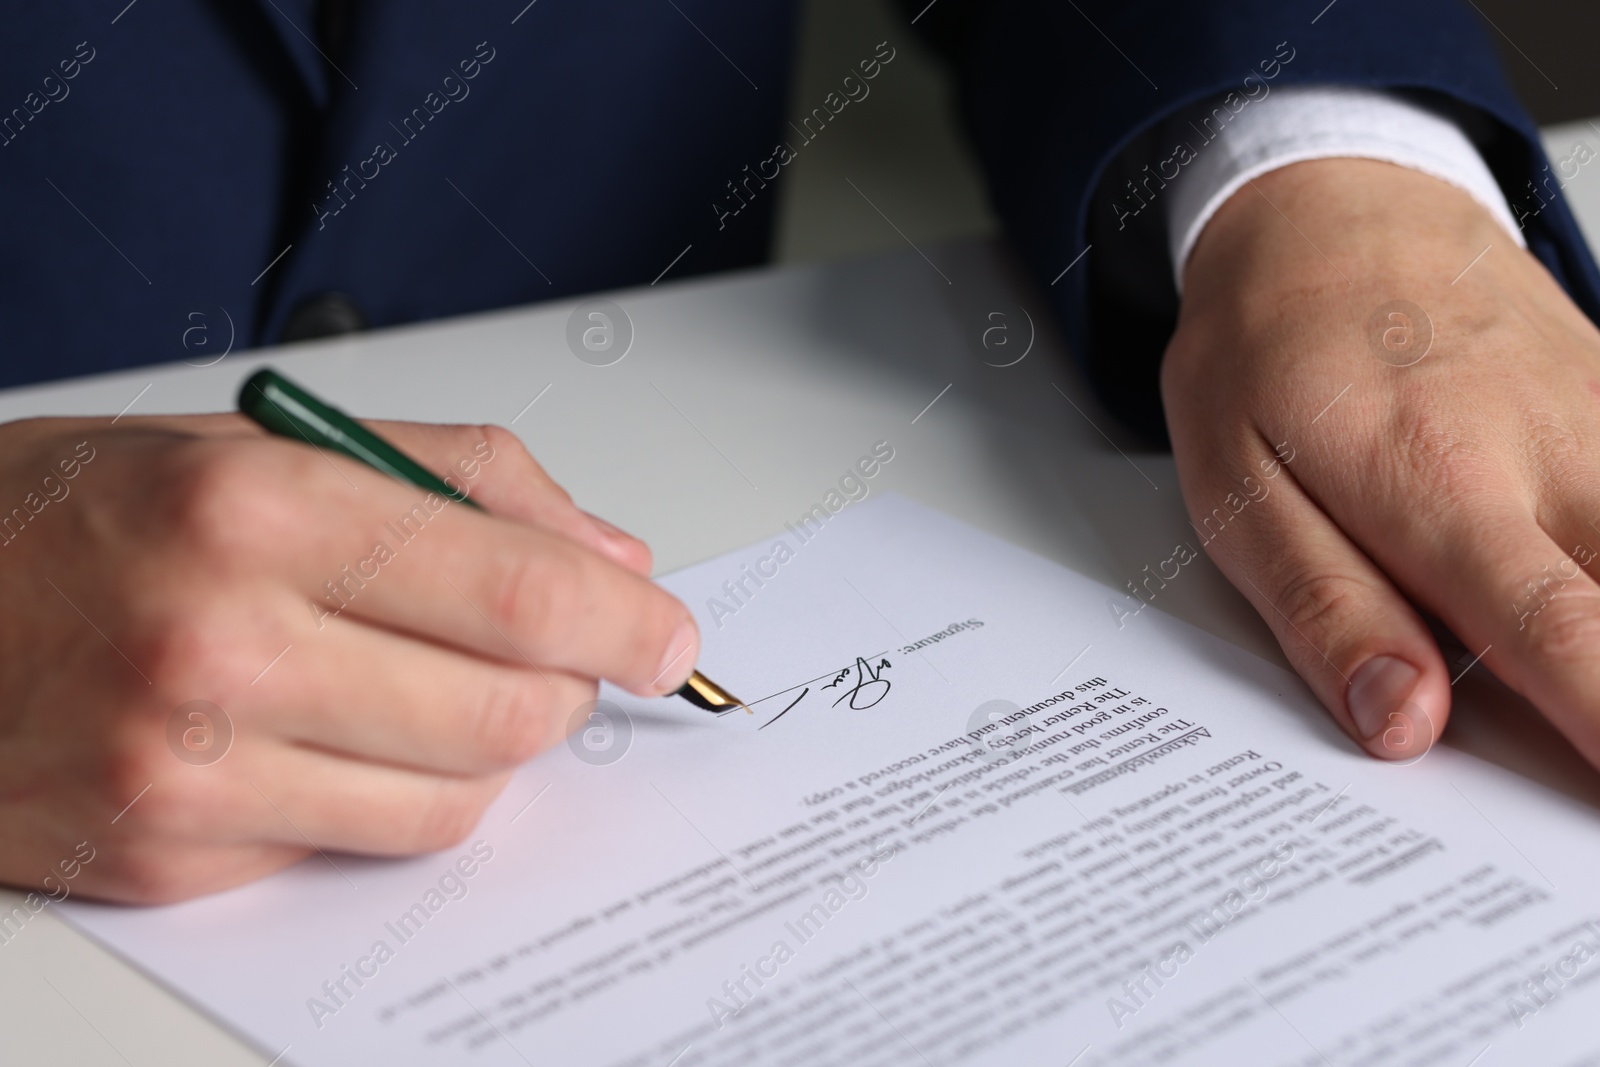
[
  {"x": 1543, "y": 646},
  {"x": 496, "y": 588},
  {"x": 495, "y": 468}
]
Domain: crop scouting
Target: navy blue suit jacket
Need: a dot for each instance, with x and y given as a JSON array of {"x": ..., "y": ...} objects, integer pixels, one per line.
[{"x": 429, "y": 159}]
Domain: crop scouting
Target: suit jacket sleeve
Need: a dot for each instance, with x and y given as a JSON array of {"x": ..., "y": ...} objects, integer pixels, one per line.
[{"x": 1064, "y": 101}]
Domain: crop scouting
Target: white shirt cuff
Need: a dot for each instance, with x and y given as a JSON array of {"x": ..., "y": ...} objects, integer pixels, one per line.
[{"x": 1318, "y": 122}]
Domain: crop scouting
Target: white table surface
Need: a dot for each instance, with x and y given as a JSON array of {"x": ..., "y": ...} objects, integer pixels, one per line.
[{"x": 780, "y": 379}]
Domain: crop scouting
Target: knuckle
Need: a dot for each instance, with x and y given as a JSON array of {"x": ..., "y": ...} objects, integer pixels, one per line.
[
  {"x": 1567, "y": 629},
  {"x": 496, "y": 444},
  {"x": 202, "y": 497},
  {"x": 517, "y": 465},
  {"x": 1552, "y": 447},
  {"x": 501, "y": 440},
  {"x": 445, "y": 818},
  {"x": 137, "y": 874},
  {"x": 1323, "y": 602},
  {"x": 188, "y": 654},
  {"x": 184, "y": 802},
  {"x": 1424, "y": 432},
  {"x": 1440, "y": 458},
  {"x": 132, "y": 760},
  {"x": 510, "y": 722},
  {"x": 534, "y": 592},
  {"x": 217, "y": 503},
  {"x": 146, "y": 791}
]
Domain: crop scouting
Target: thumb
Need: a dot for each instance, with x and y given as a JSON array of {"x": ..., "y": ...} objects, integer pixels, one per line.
[{"x": 1347, "y": 630}]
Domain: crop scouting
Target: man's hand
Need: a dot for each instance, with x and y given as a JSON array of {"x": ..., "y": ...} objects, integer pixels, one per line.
[
  {"x": 385, "y": 659},
  {"x": 1349, "y": 474}
]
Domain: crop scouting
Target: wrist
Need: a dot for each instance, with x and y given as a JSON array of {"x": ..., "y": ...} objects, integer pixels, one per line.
[{"x": 1338, "y": 225}]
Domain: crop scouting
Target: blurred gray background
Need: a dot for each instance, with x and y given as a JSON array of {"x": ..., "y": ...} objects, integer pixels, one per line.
[{"x": 905, "y": 151}]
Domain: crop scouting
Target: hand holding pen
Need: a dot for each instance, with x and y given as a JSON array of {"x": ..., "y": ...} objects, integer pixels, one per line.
[
  {"x": 268, "y": 649},
  {"x": 284, "y": 408}
]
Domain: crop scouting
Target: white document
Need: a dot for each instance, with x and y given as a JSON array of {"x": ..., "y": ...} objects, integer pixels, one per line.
[{"x": 972, "y": 820}]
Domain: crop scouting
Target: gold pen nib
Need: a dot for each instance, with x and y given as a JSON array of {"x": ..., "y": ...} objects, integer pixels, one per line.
[{"x": 702, "y": 692}]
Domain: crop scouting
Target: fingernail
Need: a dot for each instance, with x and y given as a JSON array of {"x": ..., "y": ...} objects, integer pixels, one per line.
[
  {"x": 605, "y": 527},
  {"x": 678, "y": 662},
  {"x": 1377, "y": 689},
  {"x": 613, "y": 542}
]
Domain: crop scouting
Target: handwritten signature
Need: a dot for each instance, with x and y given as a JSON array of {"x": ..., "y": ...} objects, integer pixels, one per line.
[
  {"x": 864, "y": 694},
  {"x": 870, "y": 687}
]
